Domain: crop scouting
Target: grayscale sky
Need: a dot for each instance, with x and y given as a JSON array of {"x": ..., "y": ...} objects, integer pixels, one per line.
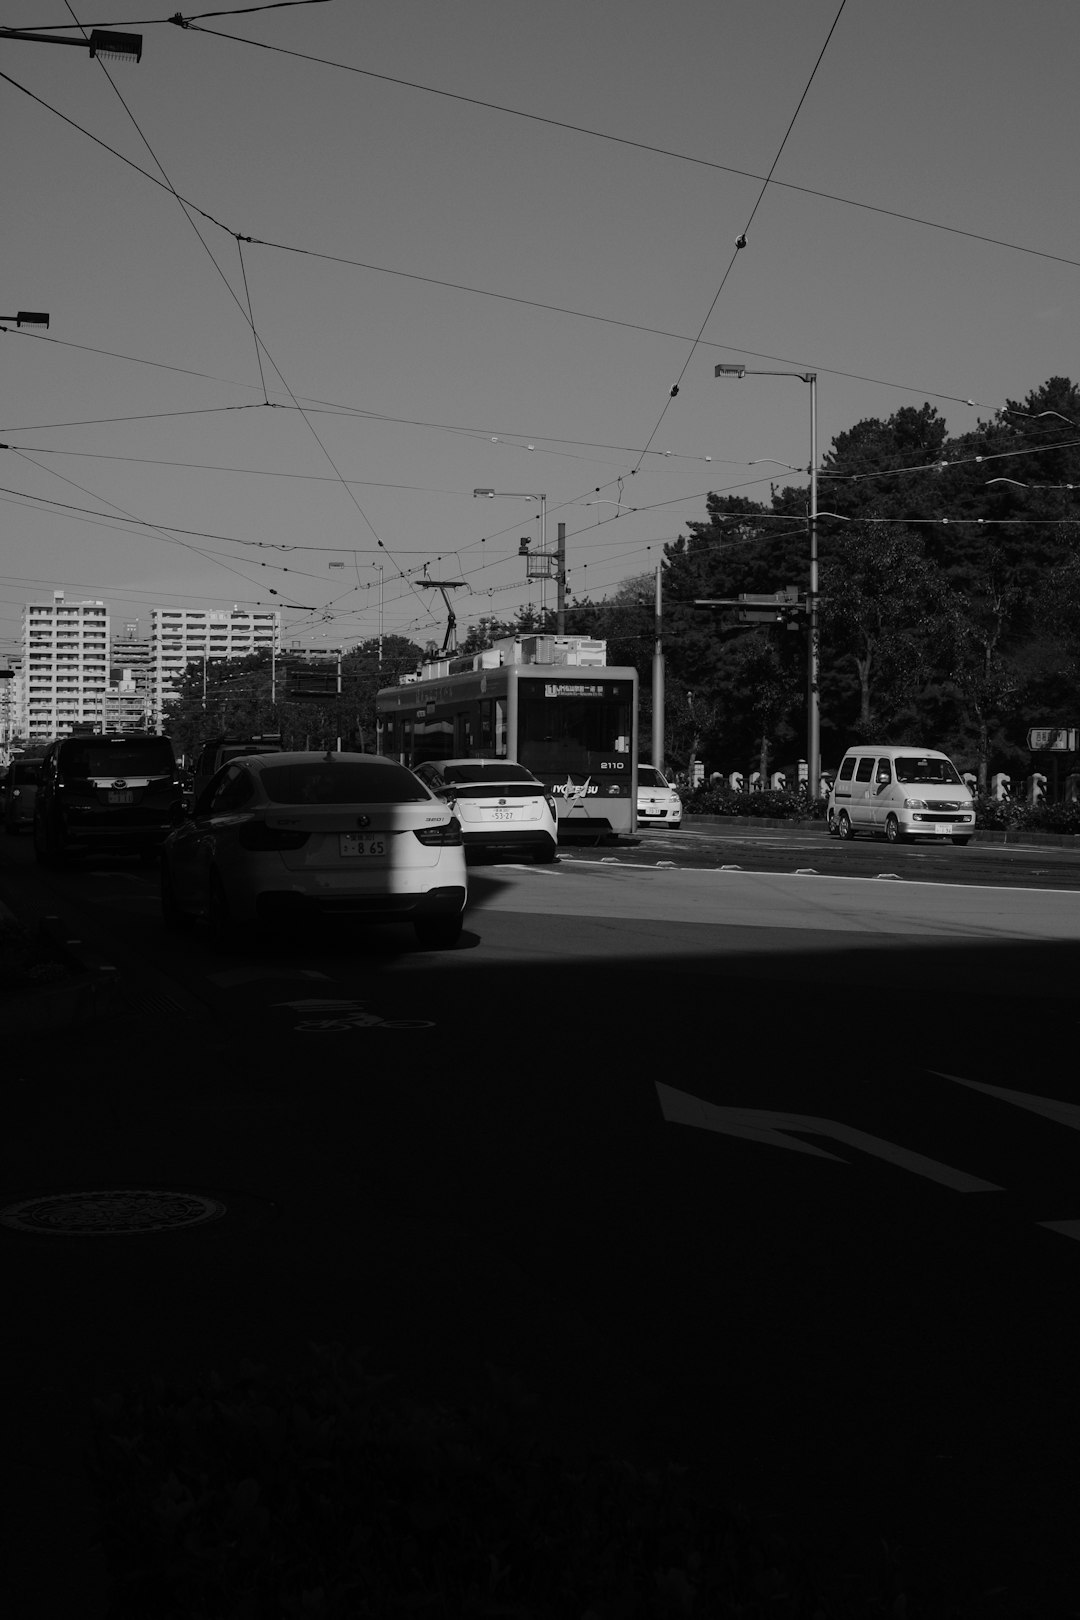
[{"x": 457, "y": 282}]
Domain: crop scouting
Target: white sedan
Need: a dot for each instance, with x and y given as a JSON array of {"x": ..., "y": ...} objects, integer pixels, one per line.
[
  {"x": 290, "y": 836},
  {"x": 657, "y": 801},
  {"x": 503, "y": 808}
]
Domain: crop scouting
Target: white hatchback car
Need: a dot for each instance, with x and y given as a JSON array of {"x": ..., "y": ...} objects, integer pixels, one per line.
[
  {"x": 290, "y": 836},
  {"x": 657, "y": 801},
  {"x": 503, "y": 808}
]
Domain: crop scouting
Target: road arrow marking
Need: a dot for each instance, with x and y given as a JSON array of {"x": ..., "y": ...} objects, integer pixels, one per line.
[
  {"x": 1069, "y": 1229},
  {"x": 1062, "y": 1112},
  {"x": 769, "y": 1125}
]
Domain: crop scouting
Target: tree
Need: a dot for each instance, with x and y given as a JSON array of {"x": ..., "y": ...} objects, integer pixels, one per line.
[
  {"x": 247, "y": 697},
  {"x": 771, "y": 685},
  {"x": 880, "y": 602}
]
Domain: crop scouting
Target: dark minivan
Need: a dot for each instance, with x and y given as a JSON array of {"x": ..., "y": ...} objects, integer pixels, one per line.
[{"x": 108, "y": 793}]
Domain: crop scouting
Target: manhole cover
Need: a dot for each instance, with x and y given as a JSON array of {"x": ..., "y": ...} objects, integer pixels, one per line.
[{"x": 113, "y": 1212}]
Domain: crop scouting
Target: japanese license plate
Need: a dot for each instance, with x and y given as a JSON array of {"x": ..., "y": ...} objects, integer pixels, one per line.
[
  {"x": 500, "y": 814},
  {"x": 120, "y": 796},
  {"x": 942, "y": 829},
  {"x": 361, "y": 844}
]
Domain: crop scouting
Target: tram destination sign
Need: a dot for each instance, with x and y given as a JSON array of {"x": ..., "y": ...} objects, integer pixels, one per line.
[{"x": 1053, "y": 739}]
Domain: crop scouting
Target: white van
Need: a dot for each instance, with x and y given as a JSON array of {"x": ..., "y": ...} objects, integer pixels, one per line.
[{"x": 900, "y": 793}]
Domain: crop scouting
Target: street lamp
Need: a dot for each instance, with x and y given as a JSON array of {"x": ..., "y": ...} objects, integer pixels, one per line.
[
  {"x": 813, "y": 696},
  {"x": 101, "y": 42},
  {"x": 560, "y": 576},
  {"x": 28, "y": 317}
]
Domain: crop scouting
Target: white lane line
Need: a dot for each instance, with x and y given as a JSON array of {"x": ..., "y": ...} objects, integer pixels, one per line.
[
  {"x": 769, "y": 1125},
  {"x": 1064, "y": 1113},
  {"x": 841, "y": 877}
]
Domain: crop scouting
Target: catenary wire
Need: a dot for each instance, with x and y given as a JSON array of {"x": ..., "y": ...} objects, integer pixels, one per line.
[{"x": 641, "y": 146}]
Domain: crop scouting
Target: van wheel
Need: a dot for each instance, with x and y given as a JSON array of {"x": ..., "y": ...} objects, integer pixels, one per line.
[
  {"x": 893, "y": 835},
  {"x": 844, "y": 829}
]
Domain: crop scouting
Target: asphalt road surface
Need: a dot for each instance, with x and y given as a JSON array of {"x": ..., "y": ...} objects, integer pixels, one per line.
[{"x": 799, "y": 1140}]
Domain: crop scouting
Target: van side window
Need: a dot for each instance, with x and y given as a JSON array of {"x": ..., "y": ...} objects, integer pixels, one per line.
[
  {"x": 847, "y": 768},
  {"x": 865, "y": 770}
]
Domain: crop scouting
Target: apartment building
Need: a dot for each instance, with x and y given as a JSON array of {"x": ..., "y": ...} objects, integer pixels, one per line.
[
  {"x": 64, "y": 672},
  {"x": 129, "y": 700},
  {"x": 180, "y": 636},
  {"x": 10, "y": 676}
]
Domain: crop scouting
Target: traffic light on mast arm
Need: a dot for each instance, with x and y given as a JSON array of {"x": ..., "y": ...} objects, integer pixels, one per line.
[{"x": 781, "y": 606}]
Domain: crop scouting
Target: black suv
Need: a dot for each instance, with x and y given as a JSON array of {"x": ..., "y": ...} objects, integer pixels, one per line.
[
  {"x": 110, "y": 792},
  {"x": 217, "y": 751}
]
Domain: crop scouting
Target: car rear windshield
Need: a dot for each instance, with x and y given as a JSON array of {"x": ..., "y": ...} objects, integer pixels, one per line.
[
  {"x": 347, "y": 782},
  {"x": 28, "y": 772},
  {"x": 486, "y": 770},
  {"x": 913, "y": 768},
  {"x": 499, "y": 790},
  {"x": 126, "y": 757}
]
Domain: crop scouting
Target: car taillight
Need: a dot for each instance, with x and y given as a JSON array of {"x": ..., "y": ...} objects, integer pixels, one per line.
[
  {"x": 444, "y": 836},
  {"x": 552, "y": 806},
  {"x": 257, "y": 835}
]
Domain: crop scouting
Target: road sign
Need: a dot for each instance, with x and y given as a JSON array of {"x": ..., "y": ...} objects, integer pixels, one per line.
[{"x": 1053, "y": 739}]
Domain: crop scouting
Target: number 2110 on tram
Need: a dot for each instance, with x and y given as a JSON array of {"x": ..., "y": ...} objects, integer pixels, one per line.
[{"x": 573, "y": 723}]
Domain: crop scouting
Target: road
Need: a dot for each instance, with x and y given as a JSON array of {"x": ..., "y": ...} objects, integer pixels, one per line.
[{"x": 800, "y": 1144}]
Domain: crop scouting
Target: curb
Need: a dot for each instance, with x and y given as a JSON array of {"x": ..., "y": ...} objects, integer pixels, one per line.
[{"x": 985, "y": 835}]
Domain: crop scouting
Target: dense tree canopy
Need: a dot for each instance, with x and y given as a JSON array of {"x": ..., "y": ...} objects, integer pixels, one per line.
[{"x": 949, "y": 597}]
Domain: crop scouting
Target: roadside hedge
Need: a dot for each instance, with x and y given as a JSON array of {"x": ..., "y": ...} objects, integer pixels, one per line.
[{"x": 1008, "y": 815}]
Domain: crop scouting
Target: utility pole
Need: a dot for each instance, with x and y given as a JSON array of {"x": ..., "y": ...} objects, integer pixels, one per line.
[
  {"x": 658, "y": 679},
  {"x": 560, "y": 581}
]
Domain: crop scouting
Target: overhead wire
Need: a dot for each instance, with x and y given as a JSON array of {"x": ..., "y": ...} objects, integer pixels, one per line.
[
  {"x": 741, "y": 239},
  {"x": 700, "y": 341},
  {"x": 641, "y": 146},
  {"x": 168, "y": 185},
  {"x": 768, "y": 179}
]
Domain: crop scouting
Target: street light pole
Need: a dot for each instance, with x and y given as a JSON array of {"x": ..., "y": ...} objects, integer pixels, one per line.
[
  {"x": 519, "y": 495},
  {"x": 100, "y": 42},
  {"x": 813, "y": 695},
  {"x": 658, "y": 677}
]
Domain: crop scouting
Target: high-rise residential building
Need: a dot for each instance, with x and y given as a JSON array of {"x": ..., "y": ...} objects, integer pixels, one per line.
[
  {"x": 180, "y": 636},
  {"x": 129, "y": 701},
  {"x": 9, "y": 704},
  {"x": 64, "y": 667}
]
